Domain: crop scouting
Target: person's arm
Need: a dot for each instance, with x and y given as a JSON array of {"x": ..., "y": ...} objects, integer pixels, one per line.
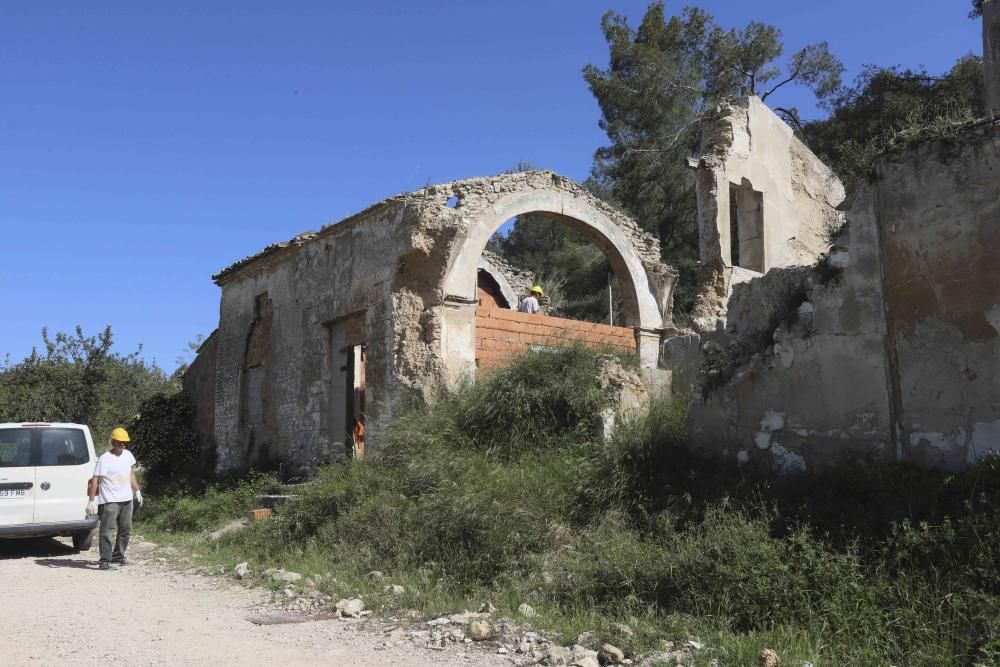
[
  {"x": 92, "y": 488},
  {"x": 135, "y": 487}
]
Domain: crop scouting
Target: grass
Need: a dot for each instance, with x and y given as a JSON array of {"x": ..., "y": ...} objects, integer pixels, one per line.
[{"x": 505, "y": 492}]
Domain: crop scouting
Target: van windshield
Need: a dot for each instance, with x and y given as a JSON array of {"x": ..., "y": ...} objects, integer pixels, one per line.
[{"x": 24, "y": 447}]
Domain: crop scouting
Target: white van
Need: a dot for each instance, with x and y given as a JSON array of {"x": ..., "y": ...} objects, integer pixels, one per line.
[{"x": 44, "y": 473}]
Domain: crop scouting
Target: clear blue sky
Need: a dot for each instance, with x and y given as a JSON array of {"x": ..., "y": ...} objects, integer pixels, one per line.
[{"x": 144, "y": 149}]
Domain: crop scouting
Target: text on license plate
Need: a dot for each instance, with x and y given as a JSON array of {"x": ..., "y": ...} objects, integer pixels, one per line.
[{"x": 13, "y": 493}]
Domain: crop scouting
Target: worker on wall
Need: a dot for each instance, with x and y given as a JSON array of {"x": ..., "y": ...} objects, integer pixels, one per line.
[{"x": 530, "y": 304}]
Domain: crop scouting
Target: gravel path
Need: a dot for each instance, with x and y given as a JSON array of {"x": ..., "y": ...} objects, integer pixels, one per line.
[{"x": 57, "y": 608}]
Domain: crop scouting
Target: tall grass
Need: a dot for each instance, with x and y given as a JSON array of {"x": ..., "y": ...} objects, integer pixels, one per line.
[{"x": 505, "y": 491}]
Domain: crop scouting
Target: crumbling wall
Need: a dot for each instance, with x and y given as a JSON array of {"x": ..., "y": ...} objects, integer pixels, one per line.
[
  {"x": 747, "y": 149},
  {"x": 887, "y": 349},
  {"x": 449, "y": 225},
  {"x": 312, "y": 283},
  {"x": 938, "y": 211},
  {"x": 199, "y": 383}
]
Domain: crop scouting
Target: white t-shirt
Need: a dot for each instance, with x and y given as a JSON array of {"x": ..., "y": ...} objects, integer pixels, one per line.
[
  {"x": 529, "y": 305},
  {"x": 116, "y": 477}
]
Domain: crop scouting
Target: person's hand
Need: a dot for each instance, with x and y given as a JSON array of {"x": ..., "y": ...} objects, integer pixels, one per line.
[
  {"x": 92, "y": 507},
  {"x": 138, "y": 497}
]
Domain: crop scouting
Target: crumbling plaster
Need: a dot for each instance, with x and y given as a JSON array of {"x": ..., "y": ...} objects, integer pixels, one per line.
[
  {"x": 746, "y": 144},
  {"x": 886, "y": 350}
]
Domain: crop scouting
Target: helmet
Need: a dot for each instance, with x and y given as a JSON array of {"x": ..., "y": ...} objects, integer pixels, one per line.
[
  {"x": 120, "y": 434},
  {"x": 538, "y": 288}
]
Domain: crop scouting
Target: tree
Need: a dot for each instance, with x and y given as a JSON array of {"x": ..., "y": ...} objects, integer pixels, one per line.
[
  {"x": 78, "y": 379},
  {"x": 663, "y": 77},
  {"x": 977, "y": 9},
  {"x": 885, "y": 105}
]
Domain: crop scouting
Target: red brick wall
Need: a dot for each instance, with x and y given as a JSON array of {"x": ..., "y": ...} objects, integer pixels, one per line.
[
  {"x": 486, "y": 299},
  {"x": 503, "y": 333}
]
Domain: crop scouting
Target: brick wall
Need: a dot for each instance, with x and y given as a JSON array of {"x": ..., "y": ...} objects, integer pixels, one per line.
[{"x": 503, "y": 333}]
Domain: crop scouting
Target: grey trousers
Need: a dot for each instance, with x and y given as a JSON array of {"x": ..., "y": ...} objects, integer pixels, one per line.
[{"x": 115, "y": 515}]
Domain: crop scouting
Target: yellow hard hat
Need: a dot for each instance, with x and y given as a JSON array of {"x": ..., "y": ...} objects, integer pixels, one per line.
[
  {"x": 538, "y": 288},
  {"x": 120, "y": 434}
]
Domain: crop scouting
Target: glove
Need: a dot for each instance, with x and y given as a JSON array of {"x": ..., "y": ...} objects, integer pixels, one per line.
[
  {"x": 92, "y": 507},
  {"x": 138, "y": 498}
]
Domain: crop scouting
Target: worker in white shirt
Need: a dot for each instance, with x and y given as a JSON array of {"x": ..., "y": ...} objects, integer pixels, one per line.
[
  {"x": 530, "y": 304},
  {"x": 114, "y": 487}
]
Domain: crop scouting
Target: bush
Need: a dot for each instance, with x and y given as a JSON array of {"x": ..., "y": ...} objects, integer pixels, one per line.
[{"x": 163, "y": 437}]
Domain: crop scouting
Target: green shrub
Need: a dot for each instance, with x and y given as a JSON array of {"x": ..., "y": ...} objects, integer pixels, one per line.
[
  {"x": 163, "y": 437},
  {"x": 542, "y": 399}
]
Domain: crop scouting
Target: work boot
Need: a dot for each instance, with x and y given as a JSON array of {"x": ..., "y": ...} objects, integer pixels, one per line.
[{"x": 104, "y": 565}]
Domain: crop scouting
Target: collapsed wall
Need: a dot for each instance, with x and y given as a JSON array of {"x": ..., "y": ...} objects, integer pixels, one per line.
[
  {"x": 764, "y": 201},
  {"x": 887, "y": 350}
]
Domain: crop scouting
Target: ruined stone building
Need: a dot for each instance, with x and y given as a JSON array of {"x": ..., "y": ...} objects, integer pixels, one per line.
[
  {"x": 825, "y": 329},
  {"x": 321, "y": 335}
]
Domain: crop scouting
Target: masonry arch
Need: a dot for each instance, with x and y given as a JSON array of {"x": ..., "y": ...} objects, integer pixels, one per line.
[{"x": 643, "y": 308}]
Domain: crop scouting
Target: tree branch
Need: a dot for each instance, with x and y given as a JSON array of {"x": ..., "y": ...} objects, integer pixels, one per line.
[{"x": 795, "y": 75}]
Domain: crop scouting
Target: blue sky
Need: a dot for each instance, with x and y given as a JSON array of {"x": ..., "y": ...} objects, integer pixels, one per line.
[{"x": 144, "y": 149}]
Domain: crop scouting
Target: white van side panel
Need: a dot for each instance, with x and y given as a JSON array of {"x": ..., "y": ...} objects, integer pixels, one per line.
[{"x": 61, "y": 490}]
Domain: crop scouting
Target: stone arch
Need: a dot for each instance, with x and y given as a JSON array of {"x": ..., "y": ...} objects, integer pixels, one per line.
[
  {"x": 646, "y": 283},
  {"x": 641, "y": 307}
]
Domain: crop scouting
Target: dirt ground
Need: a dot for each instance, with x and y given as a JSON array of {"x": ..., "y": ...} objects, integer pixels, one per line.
[{"x": 57, "y": 608}]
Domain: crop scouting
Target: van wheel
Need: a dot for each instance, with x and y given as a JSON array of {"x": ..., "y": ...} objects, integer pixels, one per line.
[{"x": 83, "y": 541}]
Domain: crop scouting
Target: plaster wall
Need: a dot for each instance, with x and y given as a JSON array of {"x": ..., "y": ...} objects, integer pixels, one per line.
[
  {"x": 748, "y": 147},
  {"x": 895, "y": 358}
]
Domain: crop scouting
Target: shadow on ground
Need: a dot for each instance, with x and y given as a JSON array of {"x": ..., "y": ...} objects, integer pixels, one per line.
[
  {"x": 34, "y": 547},
  {"x": 67, "y": 562}
]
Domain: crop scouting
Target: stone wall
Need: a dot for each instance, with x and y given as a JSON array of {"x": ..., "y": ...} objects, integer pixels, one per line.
[
  {"x": 314, "y": 284},
  {"x": 887, "y": 350},
  {"x": 199, "y": 383}
]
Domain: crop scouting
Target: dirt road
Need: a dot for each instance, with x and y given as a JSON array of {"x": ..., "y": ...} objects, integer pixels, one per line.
[{"x": 57, "y": 608}]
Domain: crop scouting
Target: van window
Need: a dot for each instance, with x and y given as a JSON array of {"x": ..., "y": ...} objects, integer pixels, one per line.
[
  {"x": 15, "y": 448},
  {"x": 63, "y": 447}
]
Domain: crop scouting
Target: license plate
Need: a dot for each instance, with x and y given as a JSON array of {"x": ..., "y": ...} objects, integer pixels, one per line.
[{"x": 13, "y": 493}]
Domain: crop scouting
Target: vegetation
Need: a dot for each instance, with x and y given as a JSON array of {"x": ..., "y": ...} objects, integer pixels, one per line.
[
  {"x": 505, "y": 492},
  {"x": 662, "y": 78},
  {"x": 889, "y": 108},
  {"x": 164, "y": 438},
  {"x": 78, "y": 379}
]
